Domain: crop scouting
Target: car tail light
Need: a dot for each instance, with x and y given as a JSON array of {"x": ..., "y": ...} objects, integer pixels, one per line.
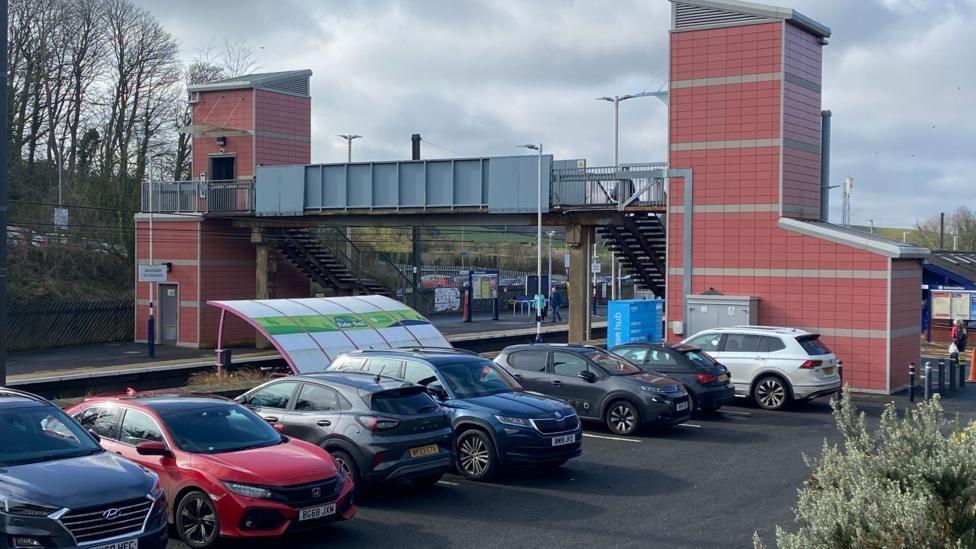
[
  {"x": 374, "y": 423},
  {"x": 810, "y": 364},
  {"x": 707, "y": 378}
]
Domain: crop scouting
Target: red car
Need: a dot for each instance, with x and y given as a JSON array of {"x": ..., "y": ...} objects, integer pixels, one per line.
[{"x": 224, "y": 470}]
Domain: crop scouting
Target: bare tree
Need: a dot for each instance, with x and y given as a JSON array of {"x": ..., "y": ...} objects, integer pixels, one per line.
[{"x": 959, "y": 226}]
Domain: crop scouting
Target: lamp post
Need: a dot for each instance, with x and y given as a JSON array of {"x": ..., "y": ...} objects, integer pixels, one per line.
[
  {"x": 151, "y": 324},
  {"x": 538, "y": 248},
  {"x": 616, "y": 131},
  {"x": 349, "y": 137}
]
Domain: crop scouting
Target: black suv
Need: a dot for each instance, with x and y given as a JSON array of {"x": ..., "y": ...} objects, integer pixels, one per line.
[
  {"x": 59, "y": 488},
  {"x": 378, "y": 428},
  {"x": 601, "y": 386}
]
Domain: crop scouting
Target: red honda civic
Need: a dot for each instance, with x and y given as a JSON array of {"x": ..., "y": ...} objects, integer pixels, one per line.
[{"x": 225, "y": 471}]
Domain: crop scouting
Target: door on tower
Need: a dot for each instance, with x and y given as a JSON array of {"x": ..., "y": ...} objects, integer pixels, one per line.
[
  {"x": 169, "y": 313},
  {"x": 223, "y": 168}
]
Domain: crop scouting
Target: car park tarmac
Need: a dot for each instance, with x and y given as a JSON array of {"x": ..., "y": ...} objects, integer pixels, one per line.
[{"x": 709, "y": 482}]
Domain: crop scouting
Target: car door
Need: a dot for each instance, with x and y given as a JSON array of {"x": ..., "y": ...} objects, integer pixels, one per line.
[
  {"x": 529, "y": 368},
  {"x": 138, "y": 427},
  {"x": 315, "y": 413},
  {"x": 272, "y": 401},
  {"x": 741, "y": 354},
  {"x": 565, "y": 383}
]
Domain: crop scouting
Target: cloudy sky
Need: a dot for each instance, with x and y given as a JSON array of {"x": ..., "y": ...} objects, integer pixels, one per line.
[{"x": 477, "y": 77}]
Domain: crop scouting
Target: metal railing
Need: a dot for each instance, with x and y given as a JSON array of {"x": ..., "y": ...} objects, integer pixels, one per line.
[
  {"x": 364, "y": 263},
  {"x": 640, "y": 184},
  {"x": 224, "y": 196}
]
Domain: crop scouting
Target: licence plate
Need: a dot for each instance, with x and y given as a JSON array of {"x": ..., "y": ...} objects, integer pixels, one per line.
[
  {"x": 828, "y": 370},
  {"x": 127, "y": 544},
  {"x": 422, "y": 451},
  {"x": 563, "y": 440},
  {"x": 313, "y": 513},
  {"x": 723, "y": 378},
  {"x": 681, "y": 406}
]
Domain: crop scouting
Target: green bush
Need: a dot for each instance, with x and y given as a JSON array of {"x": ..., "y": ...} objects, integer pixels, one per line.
[{"x": 909, "y": 485}]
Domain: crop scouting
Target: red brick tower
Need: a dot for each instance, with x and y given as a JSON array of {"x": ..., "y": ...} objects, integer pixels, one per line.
[{"x": 745, "y": 117}]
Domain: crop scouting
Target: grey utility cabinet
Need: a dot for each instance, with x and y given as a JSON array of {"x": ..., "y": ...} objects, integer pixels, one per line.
[{"x": 720, "y": 311}]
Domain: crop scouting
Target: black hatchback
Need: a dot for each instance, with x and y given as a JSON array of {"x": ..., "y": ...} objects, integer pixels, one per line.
[
  {"x": 599, "y": 385},
  {"x": 378, "y": 428},
  {"x": 708, "y": 382}
]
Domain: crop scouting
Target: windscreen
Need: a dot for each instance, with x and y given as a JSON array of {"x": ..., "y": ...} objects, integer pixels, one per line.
[
  {"x": 614, "y": 365},
  {"x": 218, "y": 429},
  {"x": 32, "y": 435},
  {"x": 813, "y": 346},
  {"x": 700, "y": 359},
  {"x": 403, "y": 402},
  {"x": 477, "y": 378}
]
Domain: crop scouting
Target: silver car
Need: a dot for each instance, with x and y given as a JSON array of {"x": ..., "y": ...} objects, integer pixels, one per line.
[{"x": 773, "y": 365}]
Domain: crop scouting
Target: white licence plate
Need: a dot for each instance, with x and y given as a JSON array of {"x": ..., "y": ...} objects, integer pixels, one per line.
[
  {"x": 127, "y": 544},
  {"x": 828, "y": 370},
  {"x": 723, "y": 378},
  {"x": 563, "y": 440},
  {"x": 313, "y": 513},
  {"x": 681, "y": 406}
]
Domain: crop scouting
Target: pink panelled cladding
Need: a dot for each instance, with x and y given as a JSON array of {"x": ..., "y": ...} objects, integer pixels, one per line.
[{"x": 741, "y": 189}]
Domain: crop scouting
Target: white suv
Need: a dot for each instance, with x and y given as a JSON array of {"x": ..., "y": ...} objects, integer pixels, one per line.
[{"x": 772, "y": 365}]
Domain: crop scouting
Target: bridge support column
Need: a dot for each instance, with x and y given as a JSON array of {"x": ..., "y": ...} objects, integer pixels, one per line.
[
  {"x": 580, "y": 240},
  {"x": 266, "y": 269}
]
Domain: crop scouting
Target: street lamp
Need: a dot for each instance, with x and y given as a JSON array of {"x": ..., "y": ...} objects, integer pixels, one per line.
[
  {"x": 349, "y": 137},
  {"x": 151, "y": 324},
  {"x": 538, "y": 247},
  {"x": 616, "y": 132}
]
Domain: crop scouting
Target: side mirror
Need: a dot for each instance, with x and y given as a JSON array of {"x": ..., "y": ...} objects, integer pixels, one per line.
[
  {"x": 152, "y": 448},
  {"x": 587, "y": 376},
  {"x": 437, "y": 390}
]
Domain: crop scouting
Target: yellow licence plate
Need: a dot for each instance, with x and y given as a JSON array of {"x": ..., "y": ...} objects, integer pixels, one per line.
[{"x": 422, "y": 451}]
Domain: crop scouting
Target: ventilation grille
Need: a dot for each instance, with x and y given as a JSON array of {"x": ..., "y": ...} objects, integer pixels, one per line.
[
  {"x": 297, "y": 85},
  {"x": 687, "y": 16}
]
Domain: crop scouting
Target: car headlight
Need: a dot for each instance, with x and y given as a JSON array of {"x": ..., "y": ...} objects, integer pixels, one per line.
[
  {"x": 248, "y": 490},
  {"x": 517, "y": 421},
  {"x": 13, "y": 506},
  {"x": 652, "y": 388}
]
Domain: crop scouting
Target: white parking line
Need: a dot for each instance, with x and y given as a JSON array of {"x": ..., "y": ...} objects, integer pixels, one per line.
[
  {"x": 689, "y": 425},
  {"x": 735, "y": 413},
  {"x": 612, "y": 438},
  {"x": 447, "y": 483}
]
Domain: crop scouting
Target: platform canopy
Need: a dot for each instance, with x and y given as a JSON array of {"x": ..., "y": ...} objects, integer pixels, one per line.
[{"x": 310, "y": 332}]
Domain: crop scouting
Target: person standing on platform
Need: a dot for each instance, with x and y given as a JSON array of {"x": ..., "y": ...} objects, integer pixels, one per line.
[
  {"x": 556, "y": 301},
  {"x": 539, "y": 303},
  {"x": 959, "y": 335}
]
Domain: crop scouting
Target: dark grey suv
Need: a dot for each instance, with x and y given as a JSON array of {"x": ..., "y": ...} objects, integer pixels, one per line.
[
  {"x": 378, "y": 428},
  {"x": 59, "y": 488},
  {"x": 601, "y": 386}
]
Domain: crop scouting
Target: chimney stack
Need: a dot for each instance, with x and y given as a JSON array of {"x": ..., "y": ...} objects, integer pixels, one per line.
[{"x": 415, "y": 149}]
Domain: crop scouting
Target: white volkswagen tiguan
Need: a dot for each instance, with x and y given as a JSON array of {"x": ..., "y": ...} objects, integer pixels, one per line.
[{"x": 772, "y": 365}]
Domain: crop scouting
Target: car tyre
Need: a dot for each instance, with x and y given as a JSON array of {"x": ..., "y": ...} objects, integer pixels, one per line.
[
  {"x": 771, "y": 393},
  {"x": 348, "y": 465},
  {"x": 197, "y": 522},
  {"x": 622, "y": 417},
  {"x": 475, "y": 455}
]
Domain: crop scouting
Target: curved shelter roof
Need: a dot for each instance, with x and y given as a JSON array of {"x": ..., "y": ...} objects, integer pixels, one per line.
[{"x": 310, "y": 332}]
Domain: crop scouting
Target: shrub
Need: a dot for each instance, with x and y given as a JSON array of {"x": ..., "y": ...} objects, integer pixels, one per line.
[{"x": 909, "y": 485}]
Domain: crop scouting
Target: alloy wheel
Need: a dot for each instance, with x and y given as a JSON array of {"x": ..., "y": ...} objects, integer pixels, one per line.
[
  {"x": 474, "y": 456},
  {"x": 198, "y": 521},
  {"x": 622, "y": 419},
  {"x": 770, "y": 393}
]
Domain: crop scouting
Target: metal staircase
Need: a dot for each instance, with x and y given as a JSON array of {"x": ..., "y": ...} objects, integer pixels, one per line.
[
  {"x": 319, "y": 254},
  {"x": 641, "y": 243}
]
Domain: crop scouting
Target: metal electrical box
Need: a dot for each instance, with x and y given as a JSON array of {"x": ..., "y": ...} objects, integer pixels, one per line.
[{"x": 720, "y": 311}]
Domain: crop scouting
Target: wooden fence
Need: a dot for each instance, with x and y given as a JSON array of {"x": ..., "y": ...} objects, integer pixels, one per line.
[{"x": 45, "y": 325}]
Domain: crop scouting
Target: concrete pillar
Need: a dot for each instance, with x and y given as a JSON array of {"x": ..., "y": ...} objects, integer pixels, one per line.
[
  {"x": 266, "y": 270},
  {"x": 580, "y": 240}
]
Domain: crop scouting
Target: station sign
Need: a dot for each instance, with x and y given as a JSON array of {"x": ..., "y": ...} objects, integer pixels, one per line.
[{"x": 152, "y": 273}]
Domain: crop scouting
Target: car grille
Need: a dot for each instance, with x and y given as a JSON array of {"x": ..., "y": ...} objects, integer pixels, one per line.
[
  {"x": 91, "y": 524},
  {"x": 671, "y": 388},
  {"x": 550, "y": 426},
  {"x": 302, "y": 495}
]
